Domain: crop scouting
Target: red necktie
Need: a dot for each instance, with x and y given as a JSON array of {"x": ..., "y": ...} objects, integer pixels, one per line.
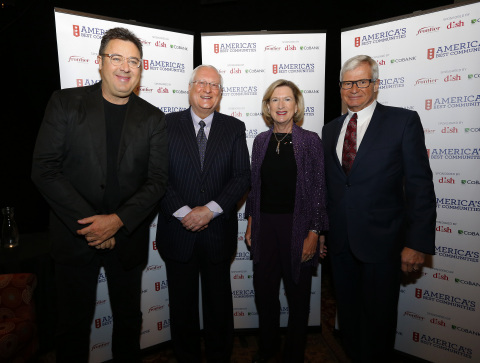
[{"x": 350, "y": 144}]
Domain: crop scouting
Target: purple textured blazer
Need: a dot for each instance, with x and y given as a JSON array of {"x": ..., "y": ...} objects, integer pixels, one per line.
[{"x": 310, "y": 194}]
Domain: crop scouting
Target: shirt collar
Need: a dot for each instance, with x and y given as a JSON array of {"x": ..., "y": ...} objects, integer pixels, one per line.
[
  {"x": 208, "y": 120},
  {"x": 365, "y": 114}
]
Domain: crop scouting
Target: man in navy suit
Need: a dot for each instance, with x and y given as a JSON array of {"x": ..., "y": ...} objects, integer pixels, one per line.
[
  {"x": 209, "y": 172},
  {"x": 382, "y": 210}
]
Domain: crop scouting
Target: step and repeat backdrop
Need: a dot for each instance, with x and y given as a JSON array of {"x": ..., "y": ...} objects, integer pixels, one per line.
[
  {"x": 249, "y": 63},
  {"x": 430, "y": 63}
]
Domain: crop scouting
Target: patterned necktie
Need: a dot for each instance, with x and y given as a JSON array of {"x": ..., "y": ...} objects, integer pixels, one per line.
[
  {"x": 202, "y": 142},
  {"x": 350, "y": 144}
]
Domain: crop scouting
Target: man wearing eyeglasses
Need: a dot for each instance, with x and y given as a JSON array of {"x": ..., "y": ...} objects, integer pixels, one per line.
[
  {"x": 101, "y": 162},
  {"x": 381, "y": 206},
  {"x": 209, "y": 172}
]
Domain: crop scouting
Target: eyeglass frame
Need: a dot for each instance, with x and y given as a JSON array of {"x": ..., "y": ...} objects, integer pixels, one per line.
[
  {"x": 213, "y": 85},
  {"x": 370, "y": 81},
  {"x": 123, "y": 59}
]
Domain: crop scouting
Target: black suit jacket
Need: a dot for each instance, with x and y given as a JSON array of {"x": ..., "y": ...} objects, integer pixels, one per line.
[
  {"x": 387, "y": 201},
  {"x": 224, "y": 179},
  {"x": 69, "y": 168}
]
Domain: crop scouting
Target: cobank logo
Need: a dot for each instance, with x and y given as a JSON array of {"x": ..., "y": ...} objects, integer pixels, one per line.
[
  {"x": 424, "y": 81},
  {"x": 474, "y": 21},
  {"x": 240, "y": 91},
  {"x": 178, "y": 47},
  {"x": 168, "y": 109},
  {"x": 293, "y": 68},
  {"x": 88, "y": 32},
  {"x": 466, "y": 330},
  {"x": 81, "y": 82},
  {"x": 243, "y": 47},
  {"x": 463, "y": 101},
  {"x": 403, "y": 60},
  {"x": 442, "y": 344},
  {"x": 103, "y": 321},
  {"x": 388, "y": 83},
  {"x": 380, "y": 37},
  {"x": 165, "y": 66},
  {"x": 467, "y": 282},
  {"x": 447, "y": 299},
  {"x": 99, "y": 346},
  {"x": 446, "y": 154},
  {"x": 244, "y": 293},
  {"x": 457, "y": 253},
  {"x": 307, "y": 91},
  {"x": 78, "y": 59},
  {"x": 459, "y": 204},
  {"x": 472, "y": 129},
  {"x": 161, "y": 285},
  {"x": 254, "y": 70},
  {"x": 468, "y": 233},
  {"x": 470, "y": 182},
  {"x": 163, "y": 324},
  {"x": 413, "y": 315},
  {"x": 180, "y": 91},
  {"x": 309, "y": 47},
  {"x": 428, "y": 29},
  {"x": 453, "y": 49}
]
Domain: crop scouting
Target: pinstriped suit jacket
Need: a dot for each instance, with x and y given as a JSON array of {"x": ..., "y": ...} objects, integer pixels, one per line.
[{"x": 224, "y": 179}]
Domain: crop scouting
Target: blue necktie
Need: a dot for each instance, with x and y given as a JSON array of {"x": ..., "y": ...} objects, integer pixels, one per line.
[{"x": 202, "y": 142}]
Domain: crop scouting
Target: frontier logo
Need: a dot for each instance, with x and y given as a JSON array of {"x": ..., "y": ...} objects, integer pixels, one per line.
[
  {"x": 272, "y": 48},
  {"x": 441, "y": 344},
  {"x": 153, "y": 268},
  {"x": 428, "y": 29},
  {"x": 155, "y": 308},
  {"x": 78, "y": 59},
  {"x": 99, "y": 346},
  {"x": 413, "y": 315}
]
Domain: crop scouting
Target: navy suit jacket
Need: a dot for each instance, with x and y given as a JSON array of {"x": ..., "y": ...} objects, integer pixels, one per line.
[
  {"x": 387, "y": 201},
  {"x": 70, "y": 170},
  {"x": 224, "y": 179}
]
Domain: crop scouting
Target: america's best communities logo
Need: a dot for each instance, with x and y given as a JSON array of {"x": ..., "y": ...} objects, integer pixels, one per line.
[
  {"x": 103, "y": 321},
  {"x": 243, "y": 47},
  {"x": 446, "y": 299},
  {"x": 379, "y": 37},
  {"x": 88, "y": 32},
  {"x": 445, "y": 345},
  {"x": 457, "y": 253},
  {"x": 459, "y": 101},
  {"x": 453, "y": 49},
  {"x": 159, "y": 65},
  {"x": 293, "y": 68}
]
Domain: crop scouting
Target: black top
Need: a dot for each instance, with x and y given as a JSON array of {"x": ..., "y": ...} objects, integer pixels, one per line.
[
  {"x": 279, "y": 176},
  {"x": 114, "y": 120}
]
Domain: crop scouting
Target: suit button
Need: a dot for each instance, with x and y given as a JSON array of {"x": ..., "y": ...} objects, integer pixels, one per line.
[{"x": 102, "y": 186}]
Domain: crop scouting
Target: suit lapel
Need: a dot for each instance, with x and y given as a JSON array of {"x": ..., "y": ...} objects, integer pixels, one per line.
[
  {"x": 187, "y": 133},
  {"x": 337, "y": 127},
  {"x": 133, "y": 119},
  {"x": 374, "y": 128},
  {"x": 96, "y": 121}
]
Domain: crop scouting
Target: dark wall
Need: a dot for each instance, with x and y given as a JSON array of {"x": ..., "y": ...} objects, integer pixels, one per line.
[{"x": 30, "y": 65}]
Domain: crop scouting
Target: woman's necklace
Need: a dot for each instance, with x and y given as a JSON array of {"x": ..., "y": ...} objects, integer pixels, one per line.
[{"x": 279, "y": 141}]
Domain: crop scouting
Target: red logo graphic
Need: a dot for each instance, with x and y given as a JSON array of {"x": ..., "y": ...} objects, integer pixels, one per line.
[
  {"x": 145, "y": 64},
  {"x": 454, "y": 24},
  {"x": 416, "y": 337},
  {"x": 216, "y": 48},
  {"x": 157, "y": 286},
  {"x": 430, "y": 53},
  {"x": 357, "y": 41},
  {"x": 76, "y": 30},
  {"x": 159, "y": 325},
  {"x": 160, "y": 44},
  {"x": 154, "y": 245},
  {"x": 162, "y": 90},
  {"x": 275, "y": 69},
  {"x": 79, "y": 82},
  {"x": 428, "y": 104},
  {"x": 418, "y": 293},
  {"x": 98, "y": 323}
]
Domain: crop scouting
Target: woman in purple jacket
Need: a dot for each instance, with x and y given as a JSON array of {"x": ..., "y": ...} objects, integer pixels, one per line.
[{"x": 286, "y": 214}]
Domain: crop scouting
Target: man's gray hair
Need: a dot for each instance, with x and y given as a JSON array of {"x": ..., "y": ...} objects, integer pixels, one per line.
[
  {"x": 356, "y": 61},
  {"x": 192, "y": 77}
]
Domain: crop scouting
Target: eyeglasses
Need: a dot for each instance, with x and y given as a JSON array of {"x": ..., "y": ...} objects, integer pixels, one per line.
[
  {"x": 203, "y": 84},
  {"x": 117, "y": 60},
  {"x": 361, "y": 83}
]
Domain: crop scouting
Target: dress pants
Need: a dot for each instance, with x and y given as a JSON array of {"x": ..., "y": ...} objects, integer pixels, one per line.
[
  {"x": 76, "y": 300},
  {"x": 275, "y": 264},
  {"x": 183, "y": 278},
  {"x": 367, "y": 301}
]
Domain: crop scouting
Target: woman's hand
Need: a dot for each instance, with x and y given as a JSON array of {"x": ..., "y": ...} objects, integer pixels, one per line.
[
  {"x": 309, "y": 246},
  {"x": 323, "y": 248},
  {"x": 248, "y": 232}
]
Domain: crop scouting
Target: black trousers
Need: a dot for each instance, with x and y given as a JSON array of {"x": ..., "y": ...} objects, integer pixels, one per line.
[
  {"x": 367, "y": 301},
  {"x": 76, "y": 300},
  {"x": 183, "y": 278},
  {"x": 275, "y": 264}
]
